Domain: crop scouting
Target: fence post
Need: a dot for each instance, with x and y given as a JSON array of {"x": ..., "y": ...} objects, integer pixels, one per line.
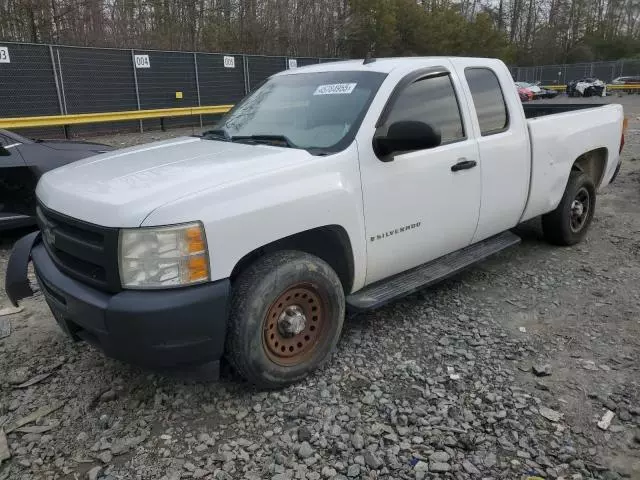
[
  {"x": 195, "y": 66},
  {"x": 135, "y": 79},
  {"x": 247, "y": 80},
  {"x": 55, "y": 77},
  {"x": 64, "y": 97}
]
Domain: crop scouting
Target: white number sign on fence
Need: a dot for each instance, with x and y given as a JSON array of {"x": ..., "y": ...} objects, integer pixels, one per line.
[
  {"x": 293, "y": 63},
  {"x": 142, "y": 61},
  {"x": 4, "y": 55},
  {"x": 229, "y": 62}
]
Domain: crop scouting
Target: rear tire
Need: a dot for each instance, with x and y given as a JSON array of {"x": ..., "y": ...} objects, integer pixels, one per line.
[
  {"x": 569, "y": 222},
  {"x": 287, "y": 312}
]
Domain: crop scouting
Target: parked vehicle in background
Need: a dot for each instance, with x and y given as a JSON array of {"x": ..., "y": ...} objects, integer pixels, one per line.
[
  {"x": 627, "y": 84},
  {"x": 548, "y": 93},
  {"x": 586, "y": 87},
  {"x": 626, "y": 81},
  {"x": 22, "y": 163},
  {"x": 340, "y": 185},
  {"x": 544, "y": 92},
  {"x": 525, "y": 94},
  {"x": 535, "y": 89}
]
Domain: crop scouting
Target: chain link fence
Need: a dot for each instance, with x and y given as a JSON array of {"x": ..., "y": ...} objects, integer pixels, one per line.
[
  {"x": 561, "y": 74},
  {"x": 56, "y": 80}
]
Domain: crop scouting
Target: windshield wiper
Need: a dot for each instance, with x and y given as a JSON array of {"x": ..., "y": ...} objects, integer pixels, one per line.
[
  {"x": 272, "y": 139},
  {"x": 218, "y": 133}
]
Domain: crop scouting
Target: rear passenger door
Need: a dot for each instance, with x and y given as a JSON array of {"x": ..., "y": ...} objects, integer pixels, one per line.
[{"x": 503, "y": 144}]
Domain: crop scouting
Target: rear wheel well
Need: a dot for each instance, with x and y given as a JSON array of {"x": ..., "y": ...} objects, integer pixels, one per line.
[
  {"x": 593, "y": 164},
  {"x": 330, "y": 243}
]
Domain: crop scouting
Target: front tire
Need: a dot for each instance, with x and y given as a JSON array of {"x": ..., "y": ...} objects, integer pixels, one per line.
[
  {"x": 569, "y": 222},
  {"x": 287, "y": 312}
]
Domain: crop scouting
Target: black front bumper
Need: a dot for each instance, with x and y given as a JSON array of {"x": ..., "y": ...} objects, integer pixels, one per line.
[{"x": 161, "y": 328}]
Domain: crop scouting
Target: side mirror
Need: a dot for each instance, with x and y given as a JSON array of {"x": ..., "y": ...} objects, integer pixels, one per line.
[
  {"x": 4, "y": 152},
  {"x": 406, "y": 136}
]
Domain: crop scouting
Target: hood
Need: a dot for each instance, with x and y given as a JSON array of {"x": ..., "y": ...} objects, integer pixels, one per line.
[
  {"x": 121, "y": 188},
  {"x": 66, "y": 145}
]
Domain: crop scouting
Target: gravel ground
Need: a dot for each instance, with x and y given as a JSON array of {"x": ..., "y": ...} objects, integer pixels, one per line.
[{"x": 439, "y": 385}]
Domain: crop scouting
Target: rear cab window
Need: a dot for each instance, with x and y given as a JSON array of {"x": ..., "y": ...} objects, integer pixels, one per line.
[{"x": 488, "y": 98}]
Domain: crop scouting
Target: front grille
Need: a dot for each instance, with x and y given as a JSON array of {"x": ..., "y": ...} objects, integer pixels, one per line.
[{"x": 84, "y": 251}]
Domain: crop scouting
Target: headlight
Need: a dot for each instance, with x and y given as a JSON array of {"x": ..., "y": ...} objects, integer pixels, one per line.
[{"x": 163, "y": 257}]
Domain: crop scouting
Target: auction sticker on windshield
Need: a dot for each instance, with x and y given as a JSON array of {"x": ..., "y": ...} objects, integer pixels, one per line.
[{"x": 336, "y": 89}]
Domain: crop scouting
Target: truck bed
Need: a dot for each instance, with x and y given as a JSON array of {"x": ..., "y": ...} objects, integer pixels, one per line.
[
  {"x": 544, "y": 109},
  {"x": 561, "y": 133}
]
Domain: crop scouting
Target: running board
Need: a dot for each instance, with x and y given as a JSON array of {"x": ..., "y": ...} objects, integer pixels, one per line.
[{"x": 406, "y": 283}]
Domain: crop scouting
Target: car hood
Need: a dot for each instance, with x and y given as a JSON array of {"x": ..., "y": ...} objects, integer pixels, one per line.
[
  {"x": 121, "y": 188},
  {"x": 66, "y": 145}
]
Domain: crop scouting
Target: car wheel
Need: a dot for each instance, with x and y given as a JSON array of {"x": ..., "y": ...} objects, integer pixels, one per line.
[
  {"x": 569, "y": 222},
  {"x": 287, "y": 312}
]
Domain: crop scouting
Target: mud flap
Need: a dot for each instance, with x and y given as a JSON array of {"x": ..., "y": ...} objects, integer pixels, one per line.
[
  {"x": 615, "y": 174},
  {"x": 16, "y": 283}
]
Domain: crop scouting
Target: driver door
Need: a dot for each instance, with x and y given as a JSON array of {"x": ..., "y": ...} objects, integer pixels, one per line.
[{"x": 418, "y": 205}]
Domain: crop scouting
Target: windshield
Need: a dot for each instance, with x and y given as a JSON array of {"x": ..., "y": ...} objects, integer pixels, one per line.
[{"x": 319, "y": 112}]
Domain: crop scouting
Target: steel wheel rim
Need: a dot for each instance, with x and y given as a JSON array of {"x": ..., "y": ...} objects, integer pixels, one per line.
[
  {"x": 580, "y": 210},
  {"x": 287, "y": 348}
]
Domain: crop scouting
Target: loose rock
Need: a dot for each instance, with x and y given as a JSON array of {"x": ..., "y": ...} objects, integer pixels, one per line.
[
  {"x": 305, "y": 450},
  {"x": 372, "y": 460},
  {"x": 438, "y": 467},
  {"x": 94, "y": 473},
  {"x": 550, "y": 414},
  {"x": 470, "y": 468},
  {"x": 542, "y": 370}
]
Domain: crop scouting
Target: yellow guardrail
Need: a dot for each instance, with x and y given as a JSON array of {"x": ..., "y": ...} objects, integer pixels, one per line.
[
  {"x": 609, "y": 87},
  {"x": 84, "y": 118}
]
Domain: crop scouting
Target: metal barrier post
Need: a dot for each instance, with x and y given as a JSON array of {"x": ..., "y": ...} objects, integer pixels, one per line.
[
  {"x": 195, "y": 66},
  {"x": 135, "y": 79},
  {"x": 64, "y": 98},
  {"x": 55, "y": 77},
  {"x": 247, "y": 81}
]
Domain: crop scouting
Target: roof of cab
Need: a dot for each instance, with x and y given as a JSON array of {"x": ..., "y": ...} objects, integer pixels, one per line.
[{"x": 382, "y": 65}]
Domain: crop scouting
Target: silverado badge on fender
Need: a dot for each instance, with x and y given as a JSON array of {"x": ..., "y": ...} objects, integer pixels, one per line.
[{"x": 396, "y": 231}]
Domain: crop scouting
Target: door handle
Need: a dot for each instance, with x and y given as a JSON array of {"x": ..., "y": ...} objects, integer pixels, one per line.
[{"x": 464, "y": 164}]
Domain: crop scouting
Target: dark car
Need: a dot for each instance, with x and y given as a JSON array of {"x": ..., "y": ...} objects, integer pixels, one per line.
[{"x": 22, "y": 163}]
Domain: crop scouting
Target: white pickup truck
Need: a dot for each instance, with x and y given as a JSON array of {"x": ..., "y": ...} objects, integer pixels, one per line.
[{"x": 342, "y": 185}]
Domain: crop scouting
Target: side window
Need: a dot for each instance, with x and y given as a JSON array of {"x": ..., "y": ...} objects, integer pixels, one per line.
[
  {"x": 488, "y": 100},
  {"x": 431, "y": 100}
]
